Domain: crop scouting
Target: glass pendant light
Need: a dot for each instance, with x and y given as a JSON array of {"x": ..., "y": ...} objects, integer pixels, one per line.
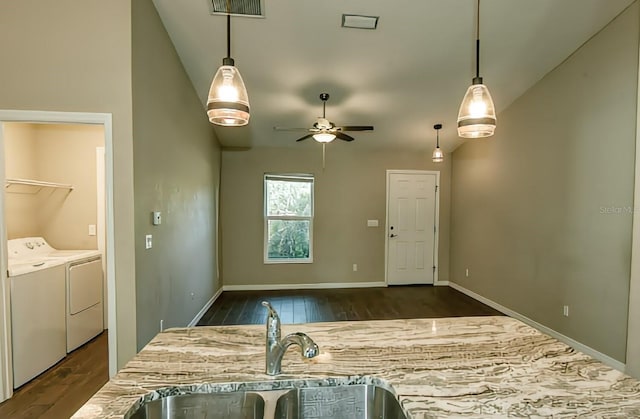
[
  {"x": 228, "y": 103},
  {"x": 438, "y": 155},
  {"x": 477, "y": 115}
]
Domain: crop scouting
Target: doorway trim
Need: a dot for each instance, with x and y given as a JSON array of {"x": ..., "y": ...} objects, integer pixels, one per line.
[
  {"x": 633, "y": 322},
  {"x": 437, "y": 221},
  {"x": 104, "y": 119},
  {"x": 101, "y": 225}
]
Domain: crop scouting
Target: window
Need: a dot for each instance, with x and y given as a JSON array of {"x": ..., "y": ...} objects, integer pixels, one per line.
[{"x": 288, "y": 218}]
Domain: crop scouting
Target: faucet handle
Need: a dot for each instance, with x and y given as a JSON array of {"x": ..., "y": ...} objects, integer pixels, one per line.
[
  {"x": 272, "y": 311},
  {"x": 273, "y": 325}
]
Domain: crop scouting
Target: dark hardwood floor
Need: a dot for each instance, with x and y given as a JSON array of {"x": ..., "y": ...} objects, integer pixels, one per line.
[
  {"x": 60, "y": 391},
  {"x": 65, "y": 387},
  {"x": 307, "y": 306}
]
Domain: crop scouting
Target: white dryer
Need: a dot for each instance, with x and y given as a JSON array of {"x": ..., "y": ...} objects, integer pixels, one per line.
[{"x": 84, "y": 301}]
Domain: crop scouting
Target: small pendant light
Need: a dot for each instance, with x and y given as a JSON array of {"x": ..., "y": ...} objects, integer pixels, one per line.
[
  {"x": 228, "y": 103},
  {"x": 438, "y": 155},
  {"x": 477, "y": 115}
]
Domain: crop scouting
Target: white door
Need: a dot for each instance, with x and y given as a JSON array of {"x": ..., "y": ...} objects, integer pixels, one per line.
[{"x": 411, "y": 227}]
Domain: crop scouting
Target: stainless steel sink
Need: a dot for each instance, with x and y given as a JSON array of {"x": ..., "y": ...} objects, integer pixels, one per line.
[
  {"x": 309, "y": 400},
  {"x": 353, "y": 402},
  {"x": 235, "y": 405}
]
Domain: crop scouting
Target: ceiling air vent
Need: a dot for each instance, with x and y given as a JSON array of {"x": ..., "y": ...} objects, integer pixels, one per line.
[{"x": 249, "y": 8}]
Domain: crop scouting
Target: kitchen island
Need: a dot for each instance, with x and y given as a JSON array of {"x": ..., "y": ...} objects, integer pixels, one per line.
[{"x": 479, "y": 367}]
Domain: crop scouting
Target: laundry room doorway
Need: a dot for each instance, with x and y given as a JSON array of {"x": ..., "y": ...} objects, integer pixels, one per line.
[{"x": 56, "y": 204}]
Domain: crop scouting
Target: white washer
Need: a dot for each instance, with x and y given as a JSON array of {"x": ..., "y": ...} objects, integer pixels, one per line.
[
  {"x": 84, "y": 285},
  {"x": 38, "y": 318}
]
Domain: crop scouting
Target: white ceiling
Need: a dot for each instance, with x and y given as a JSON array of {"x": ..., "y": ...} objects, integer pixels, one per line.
[{"x": 404, "y": 77}]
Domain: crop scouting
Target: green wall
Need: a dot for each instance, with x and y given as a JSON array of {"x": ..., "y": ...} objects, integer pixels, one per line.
[
  {"x": 541, "y": 212},
  {"x": 177, "y": 167}
]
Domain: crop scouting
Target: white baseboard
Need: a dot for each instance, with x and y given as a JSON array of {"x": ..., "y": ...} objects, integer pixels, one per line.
[
  {"x": 323, "y": 285},
  {"x": 606, "y": 359},
  {"x": 441, "y": 283},
  {"x": 206, "y": 307}
]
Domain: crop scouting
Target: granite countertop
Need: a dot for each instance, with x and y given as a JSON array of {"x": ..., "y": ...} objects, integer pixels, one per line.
[{"x": 452, "y": 367}]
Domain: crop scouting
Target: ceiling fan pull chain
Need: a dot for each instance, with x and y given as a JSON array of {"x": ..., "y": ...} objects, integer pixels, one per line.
[{"x": 324, "y": 146}]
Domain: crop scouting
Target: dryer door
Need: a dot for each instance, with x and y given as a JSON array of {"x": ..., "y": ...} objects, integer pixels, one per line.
[{"x": 85, "y": 286}]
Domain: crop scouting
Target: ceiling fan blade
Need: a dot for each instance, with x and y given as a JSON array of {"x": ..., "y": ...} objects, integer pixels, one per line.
[
  {"x": 305, "y": 137},
  {"x": 356, "y": 128},
  {"x": 343, "y": 136},
  {"x": 290, "y": 129}
]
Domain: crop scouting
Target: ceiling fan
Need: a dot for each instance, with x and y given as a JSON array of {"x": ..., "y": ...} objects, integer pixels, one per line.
[{"x": 325, "y": 131}]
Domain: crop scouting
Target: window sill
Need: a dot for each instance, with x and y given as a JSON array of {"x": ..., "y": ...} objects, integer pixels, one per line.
[{"x": 287, "y": 261}]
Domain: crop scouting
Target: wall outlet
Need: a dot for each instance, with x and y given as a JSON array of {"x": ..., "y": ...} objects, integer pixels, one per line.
[
  {"x": 92, "y": 229},
  {"x": 565, "y": 311},
  {"x": 161, "y": 325},
  {"x": 355, "y": 267},
  {"x": 466, "y": 272},
  {"x": 193, "y": 296},
  {"x": 148, "y": 241}
]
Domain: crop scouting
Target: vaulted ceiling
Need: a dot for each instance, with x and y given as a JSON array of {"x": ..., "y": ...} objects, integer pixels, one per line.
[{"x": 405, "y": 76}]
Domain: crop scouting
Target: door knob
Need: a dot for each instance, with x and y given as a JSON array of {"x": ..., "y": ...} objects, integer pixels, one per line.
[{"x": 393, "y": 235}]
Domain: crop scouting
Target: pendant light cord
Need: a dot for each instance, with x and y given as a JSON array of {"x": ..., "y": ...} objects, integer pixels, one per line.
[
  {"x": 437, "y": 127},
  {"x": 228, "y": 60},
  {"x": 478, "y": 40},
  {"x": 478, "y": 79},
  {"x": 229, "y": 28},
  {"x": 228, "y": 35}
]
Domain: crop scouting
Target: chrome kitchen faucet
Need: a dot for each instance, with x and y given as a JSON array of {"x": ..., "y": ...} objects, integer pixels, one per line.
[{"x": 276, "y": 347}]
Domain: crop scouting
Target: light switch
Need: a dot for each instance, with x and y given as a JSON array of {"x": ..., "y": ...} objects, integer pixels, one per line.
[
  {"x": 92, "y": 229},
  {"x": 157, "y": 218},
  {"x": 372, "y": 223},
  {"x": 148, "y": 241}
]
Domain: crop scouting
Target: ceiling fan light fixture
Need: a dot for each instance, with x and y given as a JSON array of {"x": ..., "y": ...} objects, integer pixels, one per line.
[
  {"x": 324, "y": 137},
  {"x": 438, "y": 155},
  {"x": 477, "y": 114},
  {"x": 228, "y": 101},
  {"x": 325, "y": 131}
]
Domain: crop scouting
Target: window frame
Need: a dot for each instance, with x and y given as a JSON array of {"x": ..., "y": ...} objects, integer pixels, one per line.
[{"x": 290, "y": 177}]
